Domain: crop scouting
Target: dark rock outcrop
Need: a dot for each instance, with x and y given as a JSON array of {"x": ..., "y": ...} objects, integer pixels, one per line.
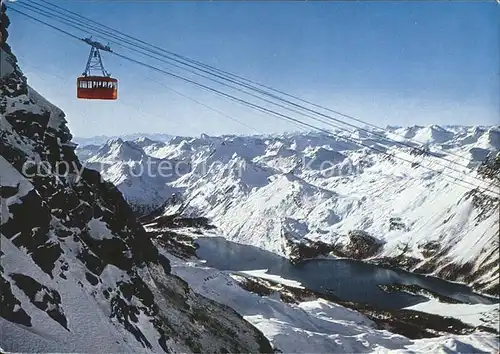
[
  {"x": 361, "y": 245},
  {"x": 490, "y": 168},
  {"x": 396, "y": 224},
  {"x": 308, "y": 249}
]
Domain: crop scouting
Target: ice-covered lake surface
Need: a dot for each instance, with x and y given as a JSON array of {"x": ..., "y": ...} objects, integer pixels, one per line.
[{"x": 347, "y": 279}]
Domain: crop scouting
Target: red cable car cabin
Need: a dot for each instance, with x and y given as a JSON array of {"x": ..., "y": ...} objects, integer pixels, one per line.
[
  {"x": 94, "y": 87},
  {"x": 97, "y": 88}
]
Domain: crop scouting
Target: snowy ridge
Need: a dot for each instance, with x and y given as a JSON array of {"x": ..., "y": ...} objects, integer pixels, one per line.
[
  {"x": 102, "y": 139},
  {"x": 268, "y": 191}
]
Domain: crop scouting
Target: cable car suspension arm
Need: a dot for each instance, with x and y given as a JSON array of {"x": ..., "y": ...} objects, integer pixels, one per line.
[{"x": 94, "y": 61}]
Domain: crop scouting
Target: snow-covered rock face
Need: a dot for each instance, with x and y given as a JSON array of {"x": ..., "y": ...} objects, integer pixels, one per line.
[
  {"x": 78, "y": 272},
  {"x": 277, "y": 192}
]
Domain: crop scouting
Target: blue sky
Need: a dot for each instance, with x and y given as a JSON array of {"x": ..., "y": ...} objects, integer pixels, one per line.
[{"x": 385, "y": 62}]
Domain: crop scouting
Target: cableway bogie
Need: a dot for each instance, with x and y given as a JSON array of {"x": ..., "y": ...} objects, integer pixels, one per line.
[{"x": 97, "y": 44}]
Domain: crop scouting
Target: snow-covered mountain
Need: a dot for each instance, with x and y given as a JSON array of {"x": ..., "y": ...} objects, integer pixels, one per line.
[
  {"x": 126, "y": 165},
  {"x": 429, "y": 208},
  {"x": 78, "y": 272}
]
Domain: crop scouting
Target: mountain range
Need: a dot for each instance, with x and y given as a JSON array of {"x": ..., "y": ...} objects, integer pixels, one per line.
[{"x": 371, "y": 195}]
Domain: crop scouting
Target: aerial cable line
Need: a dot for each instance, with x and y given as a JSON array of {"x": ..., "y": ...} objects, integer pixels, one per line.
[
  {"x": 45, "y": 23},
  {"x": 183, "y": 78},
  {"x": 78, "y": 26},
  {"x": 444, "y": 176},
  {"x": 180, "y": 94},
  {"x": 242, "y": 79},
  {"x": 392, "y": 141},
  {"x": 203, "y": 104},
  {"x": 262, "y": 92},
  {"x": 159, "y": 83},
  {"x": 79, "y": 17},
  {"x": 252, "y": 105},
  {"x": 248, "y": 86}
]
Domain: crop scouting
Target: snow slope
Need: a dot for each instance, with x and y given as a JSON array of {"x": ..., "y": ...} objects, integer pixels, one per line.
[
  {"x": 473, "y": 314},
  {"x": 278, "y": 191}
]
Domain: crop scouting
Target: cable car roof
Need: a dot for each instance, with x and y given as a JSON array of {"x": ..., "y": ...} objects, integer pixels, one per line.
[{"x": 97, "y": 78}]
